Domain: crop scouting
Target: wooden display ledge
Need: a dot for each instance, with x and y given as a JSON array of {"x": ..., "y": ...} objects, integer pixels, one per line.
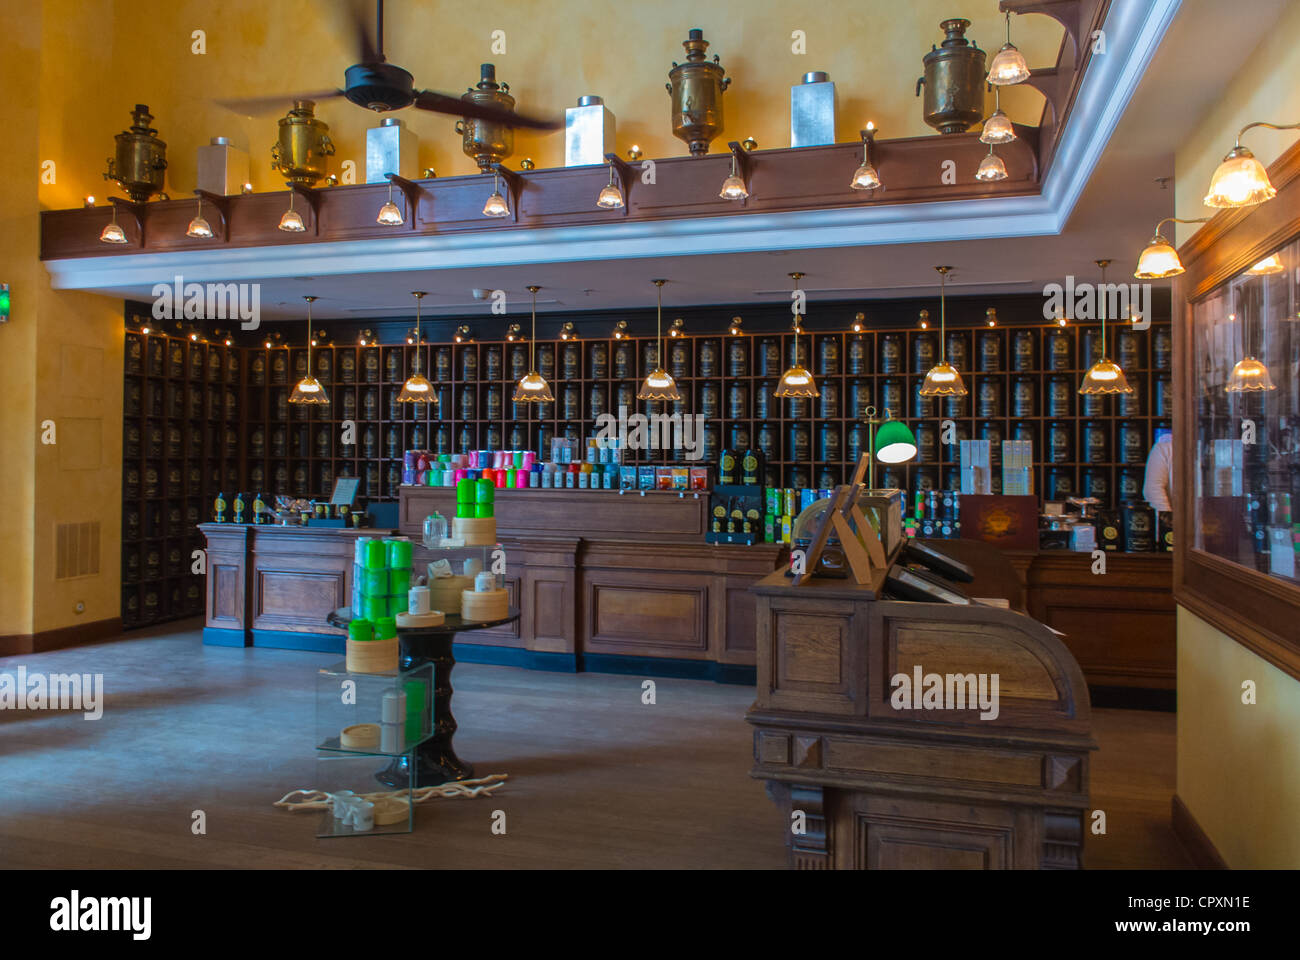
[{"x": 614, "y": 583}]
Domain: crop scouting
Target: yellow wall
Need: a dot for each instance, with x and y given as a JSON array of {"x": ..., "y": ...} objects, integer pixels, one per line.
[
  {"x": 1238, "y": 765},
  {"x": 1264, "y": 88}
]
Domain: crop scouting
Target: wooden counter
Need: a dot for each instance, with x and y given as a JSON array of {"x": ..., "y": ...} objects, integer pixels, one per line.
[
  {"x": 614, "y": 582},
  {"x": 271, "y": 586}
]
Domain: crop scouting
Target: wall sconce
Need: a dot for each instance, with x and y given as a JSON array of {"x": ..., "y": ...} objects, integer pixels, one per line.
[
  {"x": 735, "y": 330},
  {"x": 610, "y": 197},
  {"x": 429, "y": 173},
  {"x": 620, "y": 330},
  {"x": 247, "y": 189},
  {"x": 88, "y": 202},
  {"x": 1008, "y": 64},
  {"x": 634, "y": 152},
  {"x": 991, "y": 317},
  {"x": 859, "y": 321},
  {"x": 1241, "y": 180},
  {"x": 1267, "y": 267},
  {"x": 496, "y": 205},
  {"x": 390, "y": 215},
  {"x": 367, "y": 337},
  {"x": 1160, "y": 260},
  {"x": 735, "y": 186},
  {"x": 291, "y": 222},
  {"x": 199, "y": 228},
  {"x": 678, "y": 328},
  {"x": 925, "y": 320},
  {"x": 113, "y": 232},
  {"x": 513, "y": 333},
  {"x": 463, "y": 334},
  {"x": 272, "y": 340},
  {"x": 866, "y": 177},
  {"x": 566, "y": 331},
  {"x": 991, "y": 168}
]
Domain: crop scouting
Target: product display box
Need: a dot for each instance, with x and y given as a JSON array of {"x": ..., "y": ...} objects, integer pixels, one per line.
[
  {"x": 1007, "y": 522},
  {"x": 735, "y": 515}
]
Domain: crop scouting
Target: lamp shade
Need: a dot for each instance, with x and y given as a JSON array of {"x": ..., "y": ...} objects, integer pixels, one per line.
[
  {"x": 1249, "y": 376},
  {"x": 895, "y": 442},
  {"x": 1239, "y": 181},
  {"x": 496, "y": 206},
  {"x": 199, "y": 229},
  {"x": 658, "y": 385},
  {"x": 1008, "y": 67},
  {"x": 533, "y": 388},
  {"x": 733, "y": 188},
  {"x": 1104, "y": 377},
  {"x": 610, "y": 198},
  {"x": 1158, "y": 261},
  {"x": 291, "y": 222},
  {"x": 417, "y": 390},
  {"x": 797, "y": 382},
  {"x": 865, "y": 178},
  {"x": 1269, "y": 265},
  {"x": 991, "y": 168},
  {"x": 309, "y": 390},
  {"x": 112, "y": 233},
  {"x": 943, "y": 380},
  {"x": 998, "y": 129},
  {"x": 390, "y": 215}
]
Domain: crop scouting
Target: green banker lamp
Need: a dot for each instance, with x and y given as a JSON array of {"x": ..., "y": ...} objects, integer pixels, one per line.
[{"x": 893, "y": 442}]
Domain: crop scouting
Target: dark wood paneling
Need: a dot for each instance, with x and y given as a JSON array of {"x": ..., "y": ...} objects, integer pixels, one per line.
[
  {"x": 646, "y": 615},
  {"x": 1200, "y": 848}
]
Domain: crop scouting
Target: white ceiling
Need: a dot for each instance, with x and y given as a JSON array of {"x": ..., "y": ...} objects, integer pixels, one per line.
[{"x": 1203, "y": 48}]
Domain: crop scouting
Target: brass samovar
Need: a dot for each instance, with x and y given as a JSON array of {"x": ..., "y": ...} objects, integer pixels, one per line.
[
  {"x": 304, "y": 147},
  {"x": 696, "y": 87},
  {"x": 953, "y": 81},
  {"x": 487, "y": 141},
  {"x": 141, "y": 158}
]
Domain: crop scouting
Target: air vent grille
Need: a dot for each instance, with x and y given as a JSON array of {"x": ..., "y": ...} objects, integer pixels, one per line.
[{"x": 76, "y": 551}]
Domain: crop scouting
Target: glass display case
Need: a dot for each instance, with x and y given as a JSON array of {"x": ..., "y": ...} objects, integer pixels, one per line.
[{"x": 1245, "y": 368}]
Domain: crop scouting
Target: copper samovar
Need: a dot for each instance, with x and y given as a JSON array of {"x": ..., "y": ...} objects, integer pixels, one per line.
[
  {"x": 953, "y": 81},
  {"x": 304, "y": 147},
  {"x": 696, "y": 87},
  {"x": 141, "y": 158},
  {"x": 487, "y": 141}
]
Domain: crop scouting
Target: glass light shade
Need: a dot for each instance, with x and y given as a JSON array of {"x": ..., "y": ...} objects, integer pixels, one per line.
[
  {"x": 1104, "y": 377},
  {"x": 496, "y": 206},
  {"x": 199, "y": 229},
  {"x": 611, "y": 197},
  {"x": 533, "y": 388},
  {"x": 417, "y": 390},
  {"x": 658, "y": 385},
  {"x": 291, "y": 222},
  {"x": 991, "y": 168},
  {"x": 865, "y": 178},
  {"x": 796, "y": 382},
  {"x": 895, "y": 442},
  {"x": 1239, "y": 181},
  {"x": 309, "y": 390},
  {"x": 113, "y": 233},
  {"x": 1158, "y": 261},
  {"x": 733, "y": 188},
  {"x": 998, "y": 129},
  {"x": 1008, "y": 67},
  {"x": 1269, "y": 265},
  {"x": 390, "y": 215},
  {"x": 943, "y": 380},
  {"x": 1249, "y": 376}
]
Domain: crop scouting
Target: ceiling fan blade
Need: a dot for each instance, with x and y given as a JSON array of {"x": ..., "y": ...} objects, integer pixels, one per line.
[
  {"x": 364, "y": 30},
  {"x": 456, "y": 107},
  {"x": 252, "y": 106}
]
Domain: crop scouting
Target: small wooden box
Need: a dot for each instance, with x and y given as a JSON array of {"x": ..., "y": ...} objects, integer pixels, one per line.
[
  {"x": 485, "y": 605},
  {"x": 372, "y": 656},
  {"x": 476, "y": 531}
]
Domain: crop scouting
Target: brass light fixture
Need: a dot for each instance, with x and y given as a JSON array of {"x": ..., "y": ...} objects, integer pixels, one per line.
[
  {"x": 611, "y": 196},
  {"x": 1008, "y": 64},
  {"x": 513, "y": 333},
  {"x": 678, "y": 328},
  {"x": 991, "y": 316},
  {"x": 734, "y": 329},
  {"x": 1248, "y": 374},
  {"x": 733, "y": 188},
  {"x": 199, "y": 228},
  {"x": 797, "y": 381},
  {"x": 924, "y": 322},
  {"x": 1104, "y": 376},
  {"x": 567, "y": 331},
  {"x": 866, "y": 177},
  {"x": 291, "y": 222},
  {"x": 1269, "y": 265},
  {"x": 943, "y": 380},
  {"x": 998, "y": 127},
  {"x": 496, "y": 205},
  {"x": 532, "y": 387},
  {"x": 659, "y": 384},
  {"x": 113, "y": 232},
  {"x": 620, "y": 330},
  {"x": 389, "y": 214},
  {"x": 417, "y": 389},
  {"x": 463, "y": 334},
  {"x": 859, "y": 322},
  {"x": 308, "y": 389},
  {"x": 367, "y": 336},
  {"x": 1241, "y": 180},
  {"x": 991, "y": 168},
  {"x": 1160, "y": 260}
]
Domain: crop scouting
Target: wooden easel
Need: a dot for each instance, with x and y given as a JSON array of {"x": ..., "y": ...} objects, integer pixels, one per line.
[{"x": 861, "y": 547}]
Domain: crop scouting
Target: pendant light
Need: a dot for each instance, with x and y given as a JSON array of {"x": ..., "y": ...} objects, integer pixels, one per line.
[
  {"x": 1248, "y": 374},
  {"x": 113, "y": 232},
  {"x": 390, "y": 215},
  {"x": 733, "y": 188},
  {"x": 1104, "y": 376},
  {"x": 797, "y": 381},
  {"x": 998, "y": 127},
  {"x": 532, "y": 387},
  {"x": 291, "y": 222},
  {"x": 1241, "y": 180},
  {"x": 889, "y": 441},
  {"x": 943, "y": 379},
  {"x": 199, "y": 228},
  {"x": 611, "y": 197},
  {"x": 991, "y": 168},
  {"x": 659, "y": 384},
  {"x": 417, "y": 389},
  {"x": 866, "y": 177},
  {"x": 496, "y": 205},
  {"x": 308, "y": 389},
  {"x": 1008, "y": 64}
]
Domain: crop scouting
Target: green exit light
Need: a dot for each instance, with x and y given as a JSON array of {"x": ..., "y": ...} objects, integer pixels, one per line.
[{"x": 4, "y": 303}]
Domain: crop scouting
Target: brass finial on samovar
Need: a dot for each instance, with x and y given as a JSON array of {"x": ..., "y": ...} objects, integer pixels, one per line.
[
  {"x": 140, "y": 158},
  {"x": 487, "y": 141},
  {"x": 301, "y": 153},
  {"x": 696, "y": 87},
  {"x": 953, "y": 81}
]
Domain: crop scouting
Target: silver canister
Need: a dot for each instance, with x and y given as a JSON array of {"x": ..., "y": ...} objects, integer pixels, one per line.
[
  {"x": 812, "y": 110},
  {"x": 222, "y": 168},
  {"x": 391, "y": 148},
  {"x": 588, "y": 132}
]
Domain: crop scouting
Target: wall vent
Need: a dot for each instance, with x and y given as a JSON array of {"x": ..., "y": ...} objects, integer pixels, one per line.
[{"x": 76, "y": 550}]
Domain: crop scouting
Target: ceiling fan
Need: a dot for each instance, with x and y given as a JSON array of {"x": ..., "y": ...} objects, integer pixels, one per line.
[{"x": 378, "y": 85}]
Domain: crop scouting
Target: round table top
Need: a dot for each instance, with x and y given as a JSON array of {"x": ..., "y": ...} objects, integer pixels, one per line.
[{"x": 453, "y": 623}]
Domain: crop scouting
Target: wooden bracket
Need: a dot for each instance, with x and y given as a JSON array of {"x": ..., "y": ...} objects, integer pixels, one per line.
[
  {"x": 136, "y": 210},
  {"x": 411, "y": 191},
  {"x": 625, "y": 175},
  {"x": 222, "y": 205},
  {"x": 1068, "y": 13},
  {"x": 312, "y": 196},
  {"x": 515, "y": 185},
  {"x": 869, "y": 144},
  {"x": 744, "y": 167}
]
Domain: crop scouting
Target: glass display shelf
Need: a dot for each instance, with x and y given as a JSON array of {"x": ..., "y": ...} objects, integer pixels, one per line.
[
  {"x": 373, "y": 714},
  {"x": 350, "y": 776}
]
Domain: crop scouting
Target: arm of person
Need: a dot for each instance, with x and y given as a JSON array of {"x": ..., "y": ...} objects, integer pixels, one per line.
[{"x": 1157, "y": 484}]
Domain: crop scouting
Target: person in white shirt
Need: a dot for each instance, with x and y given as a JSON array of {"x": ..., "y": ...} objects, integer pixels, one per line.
[{"x": 1158, "y": 485}]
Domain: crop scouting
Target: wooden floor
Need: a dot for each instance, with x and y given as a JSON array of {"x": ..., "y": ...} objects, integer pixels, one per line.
[{"x": 597, "y": 779}]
